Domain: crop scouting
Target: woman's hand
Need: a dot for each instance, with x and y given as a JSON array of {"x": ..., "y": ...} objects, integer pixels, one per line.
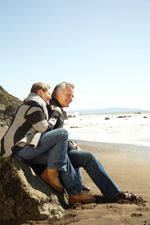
[{"x": 56, "y": 108}]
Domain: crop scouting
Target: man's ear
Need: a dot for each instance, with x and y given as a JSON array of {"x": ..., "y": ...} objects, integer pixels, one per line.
[{"x": 57, "y": 94}]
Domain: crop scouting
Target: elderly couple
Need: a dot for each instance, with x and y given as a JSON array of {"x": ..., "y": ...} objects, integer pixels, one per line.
[{"x": 36, "y": 136}]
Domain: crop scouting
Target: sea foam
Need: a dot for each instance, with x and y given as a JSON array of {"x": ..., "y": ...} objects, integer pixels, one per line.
[{"x": 131, "y": 128}]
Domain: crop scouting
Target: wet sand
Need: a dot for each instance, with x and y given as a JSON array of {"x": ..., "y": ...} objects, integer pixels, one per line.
[{"x": 129, "y": 167}]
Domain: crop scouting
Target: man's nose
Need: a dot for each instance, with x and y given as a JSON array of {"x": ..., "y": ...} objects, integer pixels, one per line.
[{"x": 71, "y": 98}]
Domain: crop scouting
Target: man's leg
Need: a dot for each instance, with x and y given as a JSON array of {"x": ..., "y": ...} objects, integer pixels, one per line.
[{"x": 96, "y": 171}]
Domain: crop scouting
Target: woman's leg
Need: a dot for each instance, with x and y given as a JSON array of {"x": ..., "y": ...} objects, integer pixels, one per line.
[
  {"x": 51, "y": 150},
  {"x": 96, "y": 171}
]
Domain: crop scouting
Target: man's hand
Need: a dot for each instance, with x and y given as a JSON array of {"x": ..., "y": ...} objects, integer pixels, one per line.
[{"x": 76, "y": 145}]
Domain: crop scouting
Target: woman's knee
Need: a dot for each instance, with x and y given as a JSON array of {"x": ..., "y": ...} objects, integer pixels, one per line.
[
  {"x": 60, "y": 132},
  {"x": 63, "y": 132}
]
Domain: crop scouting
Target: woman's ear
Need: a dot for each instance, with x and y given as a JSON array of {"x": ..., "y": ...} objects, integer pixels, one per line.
[{"x": 39, "y": 92}]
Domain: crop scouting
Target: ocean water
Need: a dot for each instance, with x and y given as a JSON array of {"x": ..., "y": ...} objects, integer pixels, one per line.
[{"x": 119, "y": 128}]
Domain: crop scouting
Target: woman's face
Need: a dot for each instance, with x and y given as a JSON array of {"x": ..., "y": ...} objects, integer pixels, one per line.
[{"x": 46, "y": 95}]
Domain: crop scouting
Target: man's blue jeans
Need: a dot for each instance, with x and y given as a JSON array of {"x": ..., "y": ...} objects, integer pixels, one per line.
[
  {"x": 96, "y": 172},
  {"x": 52, "y": 151}
]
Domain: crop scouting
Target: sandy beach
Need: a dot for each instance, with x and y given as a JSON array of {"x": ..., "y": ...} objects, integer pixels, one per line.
[{"x": 129, "y": 168}]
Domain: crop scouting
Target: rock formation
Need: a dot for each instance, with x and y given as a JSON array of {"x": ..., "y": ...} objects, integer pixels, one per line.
[{"x": 25, "y": 196}]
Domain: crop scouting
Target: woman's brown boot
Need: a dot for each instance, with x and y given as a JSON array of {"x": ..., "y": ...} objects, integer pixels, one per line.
[{"x": 50, "y": 176}]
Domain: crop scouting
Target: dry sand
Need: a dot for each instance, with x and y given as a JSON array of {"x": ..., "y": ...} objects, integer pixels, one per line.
[{"x": 130, "y": 169}]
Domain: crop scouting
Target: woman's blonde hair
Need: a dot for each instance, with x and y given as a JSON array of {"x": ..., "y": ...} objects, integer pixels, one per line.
[{"x": 39, "y": 86}]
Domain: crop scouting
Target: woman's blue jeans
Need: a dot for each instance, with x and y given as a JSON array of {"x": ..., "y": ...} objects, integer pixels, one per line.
[
  {"x": 85, "y": 159},
  {"x": 52, "y": 150}
]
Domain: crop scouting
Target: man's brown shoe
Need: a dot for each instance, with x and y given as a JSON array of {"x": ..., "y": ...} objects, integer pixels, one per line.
[
  {"x": 50, "y": 176},
  {"x": 82, "y": 197}
]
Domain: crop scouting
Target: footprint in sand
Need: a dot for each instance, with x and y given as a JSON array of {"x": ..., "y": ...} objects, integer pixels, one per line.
[{"x": 136, "y": 214}]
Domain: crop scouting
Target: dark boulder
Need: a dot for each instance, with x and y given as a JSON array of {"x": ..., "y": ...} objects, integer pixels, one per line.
[{"x": 25, "y": 196}]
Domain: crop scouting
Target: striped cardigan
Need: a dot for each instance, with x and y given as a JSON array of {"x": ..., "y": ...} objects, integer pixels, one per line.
[{"x": 30, "y": 121}]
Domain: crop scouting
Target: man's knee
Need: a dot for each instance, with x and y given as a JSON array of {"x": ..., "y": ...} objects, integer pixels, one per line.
[{"x": 90, "y": 156}]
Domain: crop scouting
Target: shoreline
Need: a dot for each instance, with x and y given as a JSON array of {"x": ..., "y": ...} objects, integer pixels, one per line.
[
  {"x": 141, "y": 152},
  {"x": 120, "y": 146}
]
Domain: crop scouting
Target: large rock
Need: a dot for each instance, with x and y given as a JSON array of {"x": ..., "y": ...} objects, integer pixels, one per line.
[{"x": 24, "y": 196}]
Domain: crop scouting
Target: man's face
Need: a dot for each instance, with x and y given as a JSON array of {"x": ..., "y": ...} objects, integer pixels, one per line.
[
  {"x": 66, "y": 97},
  {"x": 46, "y": 95}
]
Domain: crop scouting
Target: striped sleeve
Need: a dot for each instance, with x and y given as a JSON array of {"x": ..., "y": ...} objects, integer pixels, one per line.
[
  {"x": 53, "y": 119},
  {"x": 36, "y": 117}
]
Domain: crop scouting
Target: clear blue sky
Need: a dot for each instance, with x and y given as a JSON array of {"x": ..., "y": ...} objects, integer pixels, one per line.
[{"x": 102, "y": 46}]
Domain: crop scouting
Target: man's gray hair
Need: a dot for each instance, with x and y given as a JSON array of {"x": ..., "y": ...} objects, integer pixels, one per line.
[{"x": 61, "y": 87}]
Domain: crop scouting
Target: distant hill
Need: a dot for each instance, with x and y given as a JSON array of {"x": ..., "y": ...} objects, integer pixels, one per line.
[
  {"x": 104, "y": 110},
  {"x": 7, "y": 99}
]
